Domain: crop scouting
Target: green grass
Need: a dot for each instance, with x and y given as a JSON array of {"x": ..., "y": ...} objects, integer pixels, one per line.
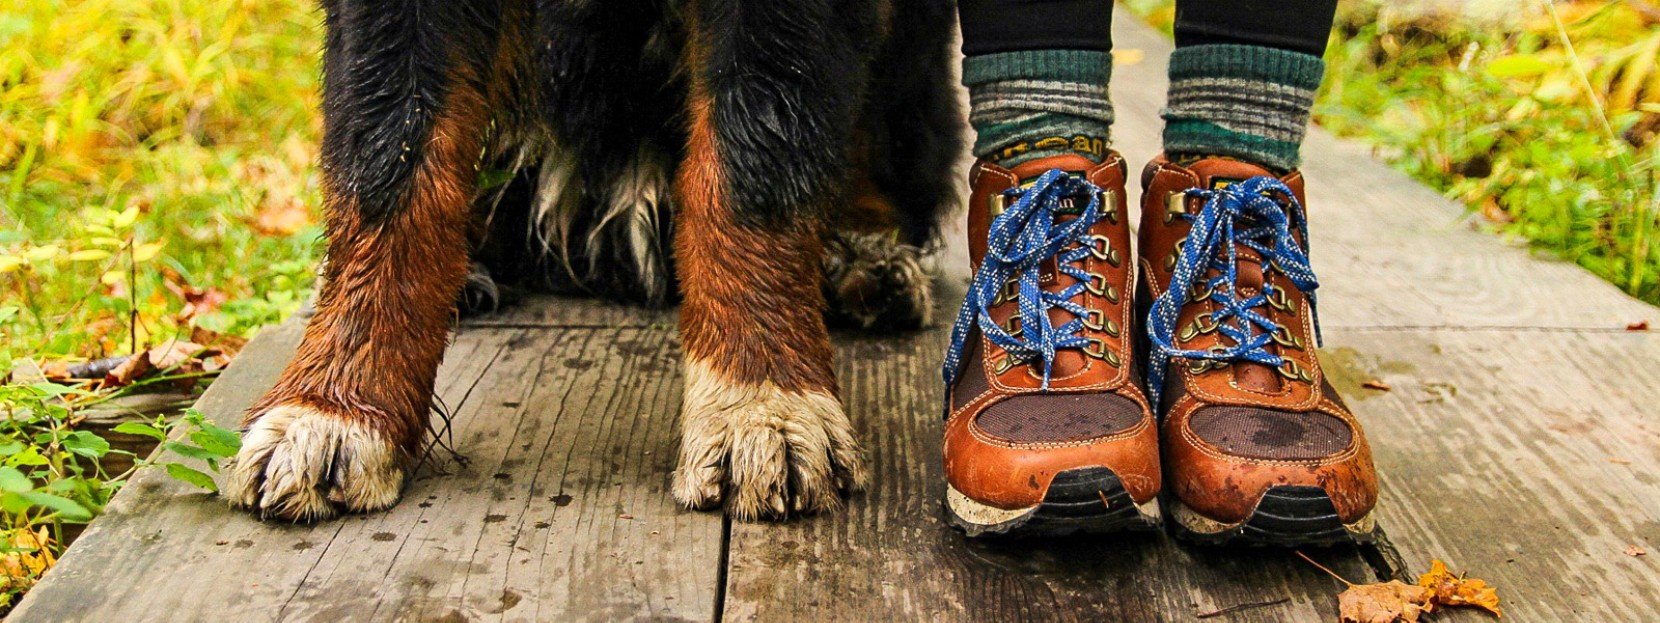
[
  {"x": 193, "y": 118},
  {"x": 151, "y": 152}
]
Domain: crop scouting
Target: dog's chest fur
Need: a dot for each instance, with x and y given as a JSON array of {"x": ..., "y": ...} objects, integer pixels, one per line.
[{"x": 590, "y": 124}]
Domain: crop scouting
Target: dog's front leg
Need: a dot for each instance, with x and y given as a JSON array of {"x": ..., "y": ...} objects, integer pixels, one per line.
[
  {"x": 403, "y": 125},
  {"x": 774, "y": 91}
]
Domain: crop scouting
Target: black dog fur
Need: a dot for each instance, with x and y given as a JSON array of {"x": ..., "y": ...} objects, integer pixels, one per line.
[{"x": 607, "y": 87}]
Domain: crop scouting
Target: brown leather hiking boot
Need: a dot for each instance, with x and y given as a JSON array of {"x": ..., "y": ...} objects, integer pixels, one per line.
[
  {"x": 1048, "y": 431},
  {"x": 1257, "y": 445}
]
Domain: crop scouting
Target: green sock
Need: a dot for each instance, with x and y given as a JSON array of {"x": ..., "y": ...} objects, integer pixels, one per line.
[
  {"x": 1242, "y": 101},
  {"x": 1032, "y": 104}
]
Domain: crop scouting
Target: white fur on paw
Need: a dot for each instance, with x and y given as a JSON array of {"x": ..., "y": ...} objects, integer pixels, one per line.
[
  {"x": 301, "y": 464},
  {"x": 770, "y": 453}
]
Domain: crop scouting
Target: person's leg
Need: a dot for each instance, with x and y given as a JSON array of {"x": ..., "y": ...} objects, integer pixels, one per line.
[
  {"x": 1257, "y": 445},
  {"x": 1243, "y": 77},
  {"x": 1048, "y": 432},
  {"x": 1037, "y": 72}
]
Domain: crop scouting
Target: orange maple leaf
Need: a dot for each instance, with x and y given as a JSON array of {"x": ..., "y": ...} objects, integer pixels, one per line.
[{"x": 1458, "y": 590}]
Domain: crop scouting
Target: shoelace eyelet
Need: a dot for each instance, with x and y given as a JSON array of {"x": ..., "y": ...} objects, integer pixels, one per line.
[
  {"x": 1097, "y": 285},
  {"x": 1202, "y": 324},
  {"x": 1109, "y": 205},
  {"x": 1257, "y": 217},
  {"x": 1097, "y": 320},
  {"x": 1104, "y": 250},
  {"x": 1201, "y": 366},
  {"x": 1284, "y": 337},
  {"x": 1174, "y": 204},
  {"x": 1097, "y": 348},
  {"x": 1290, "y": 369},
  {"x": 1278, "y": 299}
]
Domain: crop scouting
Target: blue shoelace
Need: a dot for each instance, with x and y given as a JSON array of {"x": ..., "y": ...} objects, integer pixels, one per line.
[
  {"x": 1248, "y": 213},
  {"x": 1021, "y": 239}
]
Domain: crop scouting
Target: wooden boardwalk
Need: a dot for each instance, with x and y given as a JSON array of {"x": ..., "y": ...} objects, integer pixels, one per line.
[{"x": 1520, "y": 441}]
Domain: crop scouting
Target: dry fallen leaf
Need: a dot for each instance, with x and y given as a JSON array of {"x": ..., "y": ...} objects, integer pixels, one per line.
[
  {"x": 227, "y": 345},
  {"x": 1385, "y": 602},
  {"x": 1640, "y": 325},
  {"x": 1634, "y": 551},
  {"x": 30, "y": 556},
  {"x": 1128, "y": 56},
  {"x": 1458, "y": 590},
  {"x": 176, "y": 355},
  {"x": 1376, "y": 384},
  {"x": 56, "y": 371},
  {"x": 198, "y": 302},
  {"x": 282, "y": 217}
]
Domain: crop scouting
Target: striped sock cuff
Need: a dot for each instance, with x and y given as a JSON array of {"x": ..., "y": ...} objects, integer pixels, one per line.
[
  {"x": 1033, "y": 103},
  {"x": 1244, "y": 101}
]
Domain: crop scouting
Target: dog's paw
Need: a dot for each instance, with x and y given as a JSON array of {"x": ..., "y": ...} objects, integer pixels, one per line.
[
  {"x": 871, "y": 281},
  {"x": 767, "y": 452},
  {"x": 480, "y": 295},
  {"x": 299, "y": 463}
]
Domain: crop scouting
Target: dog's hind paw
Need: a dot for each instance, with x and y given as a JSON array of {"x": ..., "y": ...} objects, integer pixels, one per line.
[
  {"x": 480, "y": 295},
  {"x": 767, "y": 452},
  {"x": 301, "y": 464},
  {"x": 872, "y": 281}
]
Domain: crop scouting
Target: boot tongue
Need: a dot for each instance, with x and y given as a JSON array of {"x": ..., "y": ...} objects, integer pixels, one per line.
[
  {"x": 1072, "y": 207},
  {"x": 1069, "y": 361},
  {"x": 1215, "y": 173}
]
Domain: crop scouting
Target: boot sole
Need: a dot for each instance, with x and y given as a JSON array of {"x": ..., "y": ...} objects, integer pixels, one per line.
[
  {"x": 1287, "y": 516},
  {"x": 1089, "y": 500}
]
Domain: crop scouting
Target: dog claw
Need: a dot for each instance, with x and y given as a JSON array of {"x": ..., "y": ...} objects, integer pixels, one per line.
[
  {"x": 302, "y": 464},
  {"x": 769, "y": 453}
]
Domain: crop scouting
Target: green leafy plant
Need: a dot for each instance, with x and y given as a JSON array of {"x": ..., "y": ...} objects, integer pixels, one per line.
[
  {"x": 201, "y": 440},
  {"x": 52, "y": 475}
]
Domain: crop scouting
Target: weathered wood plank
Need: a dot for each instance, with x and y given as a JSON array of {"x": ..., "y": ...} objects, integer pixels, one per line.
[
  {"x": 1526, "y": 457},
  {"x": 569, "y": 436},
  {"x": 565, "y": 430},
  {"x": 554, "y": 311},
  {"x": 1393, "y": 255},
  {"x": 890, "y": 551}
]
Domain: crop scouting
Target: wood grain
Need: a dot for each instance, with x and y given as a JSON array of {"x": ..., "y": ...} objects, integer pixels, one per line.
[
  {"x": 1520, "y": 442},
  {"x": 564, "y": 431},
  {"x": 891, "y": 552},
  {"x": 1528, "y": 458}
]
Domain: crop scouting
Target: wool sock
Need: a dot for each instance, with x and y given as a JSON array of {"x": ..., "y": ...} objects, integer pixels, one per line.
[
  {"x": 1241, "y": 101},
  {"x": 1029, "y": 104}
]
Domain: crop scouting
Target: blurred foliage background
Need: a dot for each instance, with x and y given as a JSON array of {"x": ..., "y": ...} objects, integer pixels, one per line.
[
  {"x": 157, "y": 178},
  {"x": 177, "y": 134}
]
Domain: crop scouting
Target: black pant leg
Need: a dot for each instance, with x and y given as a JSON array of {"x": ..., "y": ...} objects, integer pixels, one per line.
[
  {"x": 1295, "y": 25},
  {"x": 991, "y": 26}
]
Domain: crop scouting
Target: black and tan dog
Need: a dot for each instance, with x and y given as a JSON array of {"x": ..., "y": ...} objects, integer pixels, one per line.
[{"x": 754, "y": 134}]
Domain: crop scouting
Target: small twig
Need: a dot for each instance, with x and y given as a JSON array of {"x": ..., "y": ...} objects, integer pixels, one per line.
[
  {"x": 97, "y": 368},
  {"x": 1245, "y": 606},
  {"x": 1323, "y": 568},
  {"x": 132, "y": 291}
]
